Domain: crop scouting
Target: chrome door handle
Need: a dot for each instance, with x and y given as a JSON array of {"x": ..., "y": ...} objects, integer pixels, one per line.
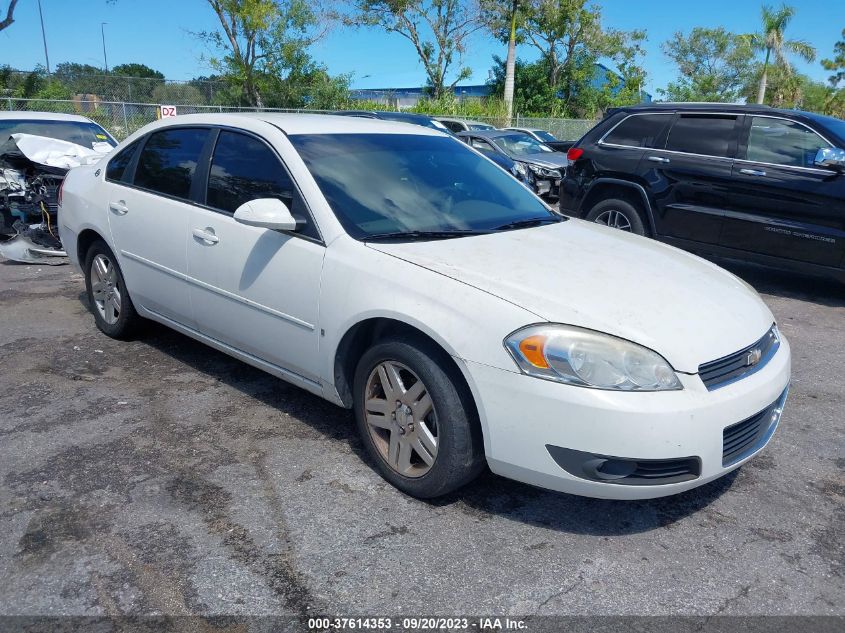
[
  {"x": 119, "y": 208},
  {"x": 658, "y": 159},
  {"x": 752, "y": 172},
  {"x": 206, "y": 236}
]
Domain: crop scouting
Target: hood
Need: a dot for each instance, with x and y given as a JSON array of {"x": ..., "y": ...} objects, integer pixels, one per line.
[
  {"x": 579, "y": 273},
  {"x": 555, "y": 160}
]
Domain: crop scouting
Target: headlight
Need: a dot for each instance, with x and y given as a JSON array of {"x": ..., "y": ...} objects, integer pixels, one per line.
[
  {"x": 585, "y": 358},
  {"x": 519, "y": 168},
  {"x": 544, "y": 172}
]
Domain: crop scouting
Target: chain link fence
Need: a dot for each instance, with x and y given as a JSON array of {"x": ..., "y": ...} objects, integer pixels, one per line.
[{"x": 122, "y": 118}]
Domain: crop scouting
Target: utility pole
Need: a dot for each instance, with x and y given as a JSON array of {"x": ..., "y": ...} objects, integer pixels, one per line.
[
  {"x": 103, "y": 33},
  {"x": 44, "y": 36}
]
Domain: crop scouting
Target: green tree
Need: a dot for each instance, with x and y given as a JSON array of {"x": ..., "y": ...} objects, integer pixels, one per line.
[
  {"x": 258, "y": 39},
  {"x": 136, "y": 70},
  {"x": 139, "y": 84},
  {"x": 438, "y": 30},
  {"x": 773, "y": 41},
  {"x": 533, "y": 94},
  {"x": 10, "y": 15},
  {"x": 837, "y": 64},
  {"x": 713, "y": 65},
  {"x": 504, "y": 19}
]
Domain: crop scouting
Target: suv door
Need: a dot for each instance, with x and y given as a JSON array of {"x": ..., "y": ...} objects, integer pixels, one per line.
[
  {"x": 782, "y": 204},
  {"x": 690, "y": 178},
  {"x": 255, "y": 289},
  {"x": 148, "y": 217}
]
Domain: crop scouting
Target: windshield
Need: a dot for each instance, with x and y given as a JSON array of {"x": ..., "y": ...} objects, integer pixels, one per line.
[
  {"x": 480, "y": 126},
  {"x": 405, "y": 183},
  {"x": 544, "y": 136},
  {"x": 521, "y": 145},
  {"x": 83, "y": 133}
]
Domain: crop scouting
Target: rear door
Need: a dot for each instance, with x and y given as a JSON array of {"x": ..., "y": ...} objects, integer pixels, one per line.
[
  {"x": 149, "y": 205},
  {"x": 255, "y": 289},
  {"x": 690, "y": 177},
  {"x": 782, "y": 204}
]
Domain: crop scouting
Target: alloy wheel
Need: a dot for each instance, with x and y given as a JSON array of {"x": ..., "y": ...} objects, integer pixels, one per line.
[
  {"x": 614, "y": 219},
  {"x": 105, "y": 289},
  {"x": 401, "y": 419}
]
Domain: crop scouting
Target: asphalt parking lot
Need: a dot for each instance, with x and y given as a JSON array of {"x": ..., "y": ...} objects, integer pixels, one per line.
[{"x": 160, "y": 476}]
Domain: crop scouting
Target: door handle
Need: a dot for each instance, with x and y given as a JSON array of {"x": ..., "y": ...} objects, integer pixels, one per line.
[
  {"x": 206, "y": 235},
  {"x": 658, "y": 159},
  {"x": 752, "y": 172},
  {"x": 119, "y": 207}
]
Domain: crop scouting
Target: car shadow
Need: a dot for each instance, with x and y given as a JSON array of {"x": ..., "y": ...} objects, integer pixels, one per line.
[
  {"x": 789, "y": 285},
  {"x": 488, "y": 496}
]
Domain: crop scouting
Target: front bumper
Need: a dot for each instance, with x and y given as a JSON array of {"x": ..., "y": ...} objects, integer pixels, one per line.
[{"x": 522, "y": 416}]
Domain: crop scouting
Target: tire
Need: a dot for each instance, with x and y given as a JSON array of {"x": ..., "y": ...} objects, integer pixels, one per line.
[
  {"x": 450, "y": 426},
  {"x": 115, "y": 319},
  {"x": 618, "y": 214}
]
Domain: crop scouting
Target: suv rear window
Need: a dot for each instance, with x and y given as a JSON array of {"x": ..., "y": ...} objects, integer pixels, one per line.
[
  {"x": 703, "y": 134},
  {"x": 169, "y": 160},
  {"x": 639, "y": 130}
]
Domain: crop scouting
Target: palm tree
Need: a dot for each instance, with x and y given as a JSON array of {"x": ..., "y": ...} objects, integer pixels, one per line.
[{"x": 771, "y": 39}]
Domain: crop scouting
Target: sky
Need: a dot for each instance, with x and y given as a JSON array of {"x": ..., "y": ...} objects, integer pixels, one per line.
[{"x": 159, "y": 33}]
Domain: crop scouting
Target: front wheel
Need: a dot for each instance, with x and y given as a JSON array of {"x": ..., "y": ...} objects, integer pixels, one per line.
[
  {"x": 415, "y": 419},
  {"x": 617, "y": 214},
  {"x": 114, "y": 313}
]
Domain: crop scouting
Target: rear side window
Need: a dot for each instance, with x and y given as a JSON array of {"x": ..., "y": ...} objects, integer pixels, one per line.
[
  {"x": 782, "y": 142},
  {"x": 245, "y": 168},
  {"x": 116, "y": 169},
  {"x": 169, "y": 160},
  {"x": 706, "y": 135},
  {"x": 640, "y": 130}
]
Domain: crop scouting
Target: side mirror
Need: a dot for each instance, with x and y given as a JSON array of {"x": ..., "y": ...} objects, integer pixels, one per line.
[
  {"x": 268, "y": 213},
  {"x": 830, "y": 157}
]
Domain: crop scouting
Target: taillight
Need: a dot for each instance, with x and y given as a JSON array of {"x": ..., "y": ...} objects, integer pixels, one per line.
[
  {"x": 59, "y": 193},
  {"x": 574, "y": 154}
]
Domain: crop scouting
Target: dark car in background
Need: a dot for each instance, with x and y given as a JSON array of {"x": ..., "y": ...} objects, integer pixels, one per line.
[
  {"x": 746, "y": 182},
  {"x": 533, "y": 156}
]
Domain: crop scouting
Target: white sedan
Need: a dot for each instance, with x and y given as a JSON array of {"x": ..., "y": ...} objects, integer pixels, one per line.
[{"x": 395, "y": 271}]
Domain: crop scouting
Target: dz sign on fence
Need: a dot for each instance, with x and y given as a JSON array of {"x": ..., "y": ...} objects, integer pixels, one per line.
[{"x": 166, "y": 111}]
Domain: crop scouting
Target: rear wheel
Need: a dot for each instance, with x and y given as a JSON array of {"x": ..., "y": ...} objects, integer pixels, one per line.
[
  {"x": 114, "y": 313},
  {"x": 618, "y": 214},
  {"x": 415, "y": 420}
]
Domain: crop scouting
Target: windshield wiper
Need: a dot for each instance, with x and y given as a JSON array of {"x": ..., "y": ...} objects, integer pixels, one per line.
[
  {"x": 422, "y": 235},
  {"x": 525, "y": 224}
]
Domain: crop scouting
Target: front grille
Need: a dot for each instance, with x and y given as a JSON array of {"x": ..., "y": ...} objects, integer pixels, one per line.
[
  {"x": 718, "y": 373},
  {"x": 741, "y": 439}
]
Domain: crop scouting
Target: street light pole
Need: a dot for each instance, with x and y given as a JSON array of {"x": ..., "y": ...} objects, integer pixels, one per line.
[
  {"x": 44, "y": 37},
  {"x": 103, "y": 33}
]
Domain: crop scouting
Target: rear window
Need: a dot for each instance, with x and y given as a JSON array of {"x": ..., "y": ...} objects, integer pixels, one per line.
[
  {"x": 639, "y": 130},
  {"x": 705, "y": 135},
  {"x": 169, "y": 160},
  {"x": 85, "y": 133}
]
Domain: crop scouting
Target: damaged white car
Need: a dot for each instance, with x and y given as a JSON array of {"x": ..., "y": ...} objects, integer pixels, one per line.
[{"x": 36, "y": 151}]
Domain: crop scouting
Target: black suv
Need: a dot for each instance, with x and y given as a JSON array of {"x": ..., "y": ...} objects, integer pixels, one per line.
[{"x": 745, "y": 182}]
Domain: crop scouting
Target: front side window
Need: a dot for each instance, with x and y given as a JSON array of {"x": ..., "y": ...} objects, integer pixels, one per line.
[
  {"x": 244, "y": 168},
  {"x": 116, "y": 169},
  {"x": 639, "y": 130},
  {"x": 521, "y": 145},
  {"x": 380, "y": 184},
  {"x": 782, "y": 142},
  {"x": 708, "y": 135},
  {"x": 169, "y": 160}
]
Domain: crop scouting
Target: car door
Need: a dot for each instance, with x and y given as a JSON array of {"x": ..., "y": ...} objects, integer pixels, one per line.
[
  {"x": 782, "y": 204},
  {"x": 149, "y": 207},
  {"x": 255, "y": 289},
  {"x": 690, "y": 177}
]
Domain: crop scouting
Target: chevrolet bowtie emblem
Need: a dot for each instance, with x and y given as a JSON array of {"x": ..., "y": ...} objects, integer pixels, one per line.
[{"x": 753, "y": 357}]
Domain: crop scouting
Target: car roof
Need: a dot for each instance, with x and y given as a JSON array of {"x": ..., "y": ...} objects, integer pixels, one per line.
[
  {"x": 20, "y": 115},
  {"x": 704, "y": 106},
  {"x": 489, "y": 133},
  {"x": 301, "y": 123}
]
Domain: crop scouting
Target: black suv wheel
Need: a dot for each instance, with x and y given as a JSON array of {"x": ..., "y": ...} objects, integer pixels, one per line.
[{"x": 618, "y": 214}]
